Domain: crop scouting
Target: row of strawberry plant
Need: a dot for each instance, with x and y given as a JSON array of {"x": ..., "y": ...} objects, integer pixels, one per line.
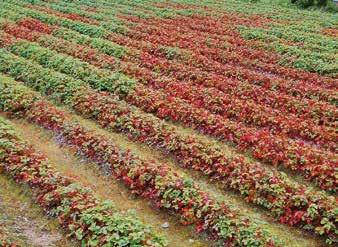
[
  {"x": 303, "y": 83},
  {"x": 14, "y": 30},
  {"x": 316, "y": 164},
  {"x": 307, "y": 132},
  {"x": 136, "y": 8},
  {"x": 67, "y": 9},
  {"x": 159, "y": 59},
  {"x": 233, "y": 107},
  {"x": 221, "y": 50},
  {"x": 101, "y": 12},
  {"x": 304, "y": 21},
  {"x": 69, "y": 13},
  {"x": 77, "y": 8},
  {"x": 317, "y": 48},
  {"x": 326, "y": 58},
  {"x": 187, "y": 23},
  {"x": 178, "y": 22},
  {"x": 157, "y": 182},
  {"x": 320, "y": 113},
  {"x": 311, "y": 40},
  {"x": 112, "y": 16},
  {"x": 85, "y": 53},
  {"x": 202, "y": 61},
  {"x": 64, "y": 13},
  {"x": 224, "y": 105},
  {"x": 208, "y": 59},
  {"x": 73, "y": 16},
  {"x": 291, "y": 203},
  {"x": 109, "y": 48},
  {"x": 6, "y": 39},
  {"x": 315, "y": 114},
  {"x": 101, "y": 79},
  {"x": 289, "y": 35},
  {"x": 76, "y": 207},
  {"x": 19, "y": 10}
]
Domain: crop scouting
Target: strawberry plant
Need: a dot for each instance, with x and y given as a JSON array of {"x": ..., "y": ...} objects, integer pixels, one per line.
[
  {"x": 274, "y": 149},
  {"x": 233, "y": 173},
  {"x": 257, "y": 77},
  {"x": 75, "y": 207},
  {"x": 164, "y": 187}
]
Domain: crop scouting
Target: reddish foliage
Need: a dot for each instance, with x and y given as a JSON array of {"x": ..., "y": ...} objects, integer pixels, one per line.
[
  {"x": 6, "y": 39},
  {"x": 234, "y": 173},
  {"x": 262, "y": 93},
  {"x": 169, "y": 32},
  {"x": 70, "y": 16},
  {"x": 213, "y": 62},
  {"x": 28, "y": 30},
  {"x": 21, "y": 32},
  {"x": 36, "y": 25},
  {"x": 316, "y": 164},
  {"x": 234, "y": 108},
  {"x": 330, "y": 32},
  {"x": 165, "y": 188},
  {"x": 275, "y": 149}
]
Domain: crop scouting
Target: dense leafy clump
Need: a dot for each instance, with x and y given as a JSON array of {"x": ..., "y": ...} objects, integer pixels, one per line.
[{"x": 234, "y": 90}]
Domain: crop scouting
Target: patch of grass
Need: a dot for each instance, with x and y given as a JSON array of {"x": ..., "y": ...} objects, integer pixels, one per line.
[{"x": 26, "y": 223}]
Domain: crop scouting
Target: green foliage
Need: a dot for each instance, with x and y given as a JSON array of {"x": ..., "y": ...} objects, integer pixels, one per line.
[
  {"x": 300, "y": 46},
  {"x": 9, "y": 95},
  {"x": 324, "y": 4},
  {"x": 43, "y": 80},
  {"x": 104, "y": 46},
  {"x": 100, "y": 79}
]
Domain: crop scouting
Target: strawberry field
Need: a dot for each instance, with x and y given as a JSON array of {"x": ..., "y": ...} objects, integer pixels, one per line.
[{"x": 170, "y": 123}]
